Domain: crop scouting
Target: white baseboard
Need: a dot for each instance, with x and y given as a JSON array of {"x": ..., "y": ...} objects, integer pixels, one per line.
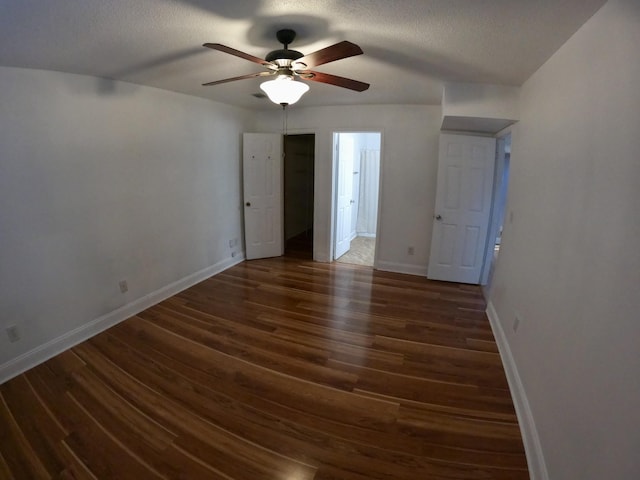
[
  {"x": 59, "y": 344},
  {"x": 407, "y": 268},
  {"x": 530, "y": 438}
]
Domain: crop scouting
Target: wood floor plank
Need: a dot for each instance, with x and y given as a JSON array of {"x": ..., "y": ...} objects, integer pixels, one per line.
[
  {"x": 5, "y": 470},
  {"x": 226, "y": 408},
  {"x": 266, "y": 418},
  {"x": 229, "y": 453},
  {"x": 40, "y": 431},
  {"x": 103, "y": 454},
  {"x": 21, "y": 458},
  {"x": 121, "y": 419},
  {"x": 275, "y": 368},
  {"x": 287, "y": 357}
]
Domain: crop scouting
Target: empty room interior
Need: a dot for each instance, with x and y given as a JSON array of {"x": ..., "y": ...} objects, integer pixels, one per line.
[{"x": 185, "y": 186}]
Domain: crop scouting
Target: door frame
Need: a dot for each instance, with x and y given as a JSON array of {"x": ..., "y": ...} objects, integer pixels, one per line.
[
  {"x": 317, "y": 238},
  {"x": 324, "y": 172},
  {"x": 496, "y": 216},
  {"x": 339, "y": 142},
  {"x": 334, "y": 190},
  {"x": 285, "y": 180}
]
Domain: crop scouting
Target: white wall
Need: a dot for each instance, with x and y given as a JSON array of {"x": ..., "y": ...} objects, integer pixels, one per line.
[
  {"x": 480, "y": 100},
  {"x": 99, "y": 185},
  {"x": 479, "y": 108},
  {"x": 570, "y": 259},
  {"x": 409, "y": 163}
]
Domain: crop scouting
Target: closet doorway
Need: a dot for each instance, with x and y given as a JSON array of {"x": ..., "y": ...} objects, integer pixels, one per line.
[
  {"x": 298, "y": 194},
  {"x": 357, "y": 186}
]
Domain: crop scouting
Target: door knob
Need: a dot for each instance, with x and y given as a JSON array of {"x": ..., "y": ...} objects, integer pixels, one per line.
[
  {"x": 438, "y": 217},
  {"x": 248, "y": 204}
]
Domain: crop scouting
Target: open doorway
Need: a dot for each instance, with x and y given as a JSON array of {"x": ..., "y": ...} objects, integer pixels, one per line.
[
  {"x": 298, "y": 195},
  {"x": 357, "y": 161},
  {"x": 501, "y": 183}
]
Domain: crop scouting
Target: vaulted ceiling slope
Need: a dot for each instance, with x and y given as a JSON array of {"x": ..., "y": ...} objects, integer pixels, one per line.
[{"x": 410, "y": 46}]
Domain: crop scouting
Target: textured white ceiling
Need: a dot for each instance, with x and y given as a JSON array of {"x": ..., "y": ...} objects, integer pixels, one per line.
[{"x": 410, "y": 46}]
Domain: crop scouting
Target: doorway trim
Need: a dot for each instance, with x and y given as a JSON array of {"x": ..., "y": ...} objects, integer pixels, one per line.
[
  {"x": 317, "y": 240},
  {"x": 497, "y": 216},
  {"x": 334, "y": 189}
]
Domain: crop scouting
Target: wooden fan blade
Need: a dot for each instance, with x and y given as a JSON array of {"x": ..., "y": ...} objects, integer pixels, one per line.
[
  {"x": 330, "y": 54},
  {"x": 236, "y": 53},
  {"x": 242, "y": 77},
  {"x": 334, "y": 80}
]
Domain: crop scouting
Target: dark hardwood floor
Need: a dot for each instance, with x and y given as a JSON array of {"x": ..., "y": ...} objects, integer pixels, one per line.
[{"x": 275, "y": 369}]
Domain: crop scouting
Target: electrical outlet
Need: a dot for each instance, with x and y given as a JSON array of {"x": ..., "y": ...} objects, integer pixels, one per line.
[
  {"x": 124, "y": 288},
  {"x": 516, "y": 323},
  {"x": 13, "y": 333},
  {"x": 411, "y": 251}
]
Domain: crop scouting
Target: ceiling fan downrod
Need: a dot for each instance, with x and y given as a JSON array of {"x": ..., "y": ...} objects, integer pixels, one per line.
[{"x": 285, "y": 36}]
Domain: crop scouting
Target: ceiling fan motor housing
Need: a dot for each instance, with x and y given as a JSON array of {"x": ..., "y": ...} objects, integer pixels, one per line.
[
  {"x": 283, "y": 54},
  {"x": 285, "y": 37}
]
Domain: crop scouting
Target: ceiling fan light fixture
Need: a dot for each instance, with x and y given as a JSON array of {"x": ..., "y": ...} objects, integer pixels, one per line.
[{"x": 284, "y": 90}]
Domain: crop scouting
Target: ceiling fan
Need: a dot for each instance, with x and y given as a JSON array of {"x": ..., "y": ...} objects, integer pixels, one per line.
[{"x": 286, "y": 65}]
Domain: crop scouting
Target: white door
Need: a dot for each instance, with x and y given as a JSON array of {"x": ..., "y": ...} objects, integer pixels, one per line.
[
  {"x": 262, "y": 175},
  {"x": 463, "y": 206},
  {"x": 345, "y": 151}
]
